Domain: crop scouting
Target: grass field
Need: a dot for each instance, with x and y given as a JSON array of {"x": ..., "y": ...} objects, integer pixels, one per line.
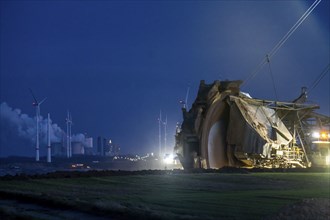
[{"x": 171, "y": 196}]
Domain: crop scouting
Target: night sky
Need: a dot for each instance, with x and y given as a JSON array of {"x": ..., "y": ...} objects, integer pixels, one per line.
[{"x": 115, "y": 64}]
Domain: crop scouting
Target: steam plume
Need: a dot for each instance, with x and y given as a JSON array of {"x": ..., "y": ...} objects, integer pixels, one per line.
[{"x": 18, "y": 132}]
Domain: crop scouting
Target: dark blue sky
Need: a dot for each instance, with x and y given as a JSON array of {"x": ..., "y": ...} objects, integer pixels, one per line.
[{"x": 115, "y": 64}]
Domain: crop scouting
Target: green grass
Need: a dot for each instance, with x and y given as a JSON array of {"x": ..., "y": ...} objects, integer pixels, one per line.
[{"x": 200, "y": 196}]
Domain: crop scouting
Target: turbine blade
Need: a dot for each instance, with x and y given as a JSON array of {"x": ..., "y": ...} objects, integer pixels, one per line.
[
  {"x": 36, "y": 101},
  {"x": 42, "y": 101}
]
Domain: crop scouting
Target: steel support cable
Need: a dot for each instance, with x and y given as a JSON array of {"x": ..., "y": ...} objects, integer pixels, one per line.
[
  {"x": 281, "y": 42},
  {"x": 255, "y": 71},
  {"x": 271, "y": 75},
  {"x": 319, "y": 78}
]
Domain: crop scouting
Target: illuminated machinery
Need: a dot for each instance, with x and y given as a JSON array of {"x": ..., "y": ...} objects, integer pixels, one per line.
[
  {"x": 320, "y": 147},
  {"x": 226, "y": 127}
]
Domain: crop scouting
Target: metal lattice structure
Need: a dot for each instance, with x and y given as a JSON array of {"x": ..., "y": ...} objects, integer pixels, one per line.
[{"x": 226, "y": 127}]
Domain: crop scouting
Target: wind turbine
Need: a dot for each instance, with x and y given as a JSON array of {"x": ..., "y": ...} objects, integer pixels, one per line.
[
  {"x": 37, "y": 105},
  {"x": 160, "y": 133},
  {"x": 68, "y": 135},
  {"x": 49, "y": 155},
  {"x": 165, "y": 134}
]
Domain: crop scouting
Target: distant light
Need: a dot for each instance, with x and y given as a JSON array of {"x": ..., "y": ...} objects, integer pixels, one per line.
[
  {"x": 169, "y": 159},
  {"x": 110, "y": 141}
]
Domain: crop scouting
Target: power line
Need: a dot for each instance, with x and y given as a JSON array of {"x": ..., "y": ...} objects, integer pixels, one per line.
[
  {"x": 294, "y": 27},
  {"x": 319, "y": 78},
  {"x": 281, "y": 42}
]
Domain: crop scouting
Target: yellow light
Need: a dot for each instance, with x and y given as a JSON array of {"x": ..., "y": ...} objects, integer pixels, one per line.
[{"x": 323, "y": 135}]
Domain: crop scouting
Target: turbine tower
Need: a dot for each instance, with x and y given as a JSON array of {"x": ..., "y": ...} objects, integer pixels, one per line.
[
  {"x": 160, "y": 133},
  {"x": 49, "y": 156},
  {"x": 37, "y": 105},
  {"x": 68, "y": 135},
  {"x": 165, "y": 135}
]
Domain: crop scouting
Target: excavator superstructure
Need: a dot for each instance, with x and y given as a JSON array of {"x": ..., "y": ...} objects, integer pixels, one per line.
[{"x": 226, "y": 127}]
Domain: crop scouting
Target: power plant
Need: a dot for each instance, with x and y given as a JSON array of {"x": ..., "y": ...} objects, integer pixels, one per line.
[
  {"x": 226, "y": 127},
  {"x": 79, "y": 146},
  {"x": 106, "y": 147}
]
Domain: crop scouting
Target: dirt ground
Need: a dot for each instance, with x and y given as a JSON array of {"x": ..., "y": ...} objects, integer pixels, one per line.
[
  {"x": 12, "y": 209},
  {"x": 233, "y": 194},
  {"x": 313, "y": 209}
]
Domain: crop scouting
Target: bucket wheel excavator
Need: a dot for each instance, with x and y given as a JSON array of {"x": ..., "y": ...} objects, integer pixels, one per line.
[{"x": 226, "y": 127}]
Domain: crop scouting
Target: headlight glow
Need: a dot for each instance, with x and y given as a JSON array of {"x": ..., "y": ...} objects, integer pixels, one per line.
[
  {"x": 316, "y": 135},
  {"x": 169, "y": 159}
]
